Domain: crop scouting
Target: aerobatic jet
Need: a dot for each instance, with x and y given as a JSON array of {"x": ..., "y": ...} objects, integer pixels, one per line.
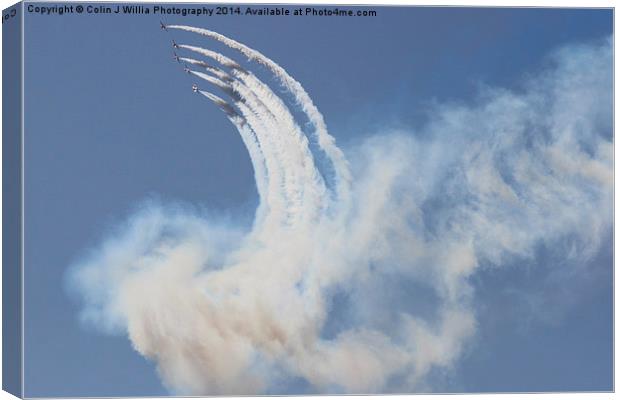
[
  {"x": 176, "y": 57},
  {"x": 163, "y": 26},
  {"x": 175, "y": 45},
  {"x": 195, "y": 88}
]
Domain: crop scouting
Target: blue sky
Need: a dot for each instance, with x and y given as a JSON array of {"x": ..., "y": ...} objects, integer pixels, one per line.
[{"x": 111, "y": 121}]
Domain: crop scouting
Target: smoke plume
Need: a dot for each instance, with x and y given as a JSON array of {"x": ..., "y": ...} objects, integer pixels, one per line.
[{"x": 360, "y": 282}]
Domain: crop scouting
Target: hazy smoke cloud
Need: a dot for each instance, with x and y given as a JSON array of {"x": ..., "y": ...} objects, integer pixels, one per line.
[{"x": 361, "y": 287}]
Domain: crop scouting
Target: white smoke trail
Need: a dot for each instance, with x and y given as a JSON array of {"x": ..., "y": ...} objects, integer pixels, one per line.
[
  {"x": 228, "y": 62},
  {"x": 210, "y": 68},
  {"x": 280, "y": 185},
  {"x": 314, "y": 189},
  {"x": 224, "y": 311},
  {"x": 249, "y": 140},
  {"x": 310, "y": 188},
  {"x": 309, "y": 191},
  {"x": 225, "y": 87},
  {"x": 325, "y": 141},
  {"x": 223, "y": 104},
  {"x": 281, "y": 189},
  {"x": 266, "y": 130}
]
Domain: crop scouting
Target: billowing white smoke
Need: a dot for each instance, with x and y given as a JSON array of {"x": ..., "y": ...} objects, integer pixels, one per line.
[{"x": 305, "y": 292}]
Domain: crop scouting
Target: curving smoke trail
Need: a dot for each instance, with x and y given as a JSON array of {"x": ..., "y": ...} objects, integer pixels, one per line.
[
  {"x": 249, "y": 140},
  {"x": 224, "y": 106},
  {"x": 223, "y": 86},
  {"x": 371, "y": 291},
  {"x": 210, "y": 68},
  {"x": 309, "y": 186},
  {"x": 325, "y": 141},
  {"x": 228, "y": 62},
  {"x": 272, "y": 141}
]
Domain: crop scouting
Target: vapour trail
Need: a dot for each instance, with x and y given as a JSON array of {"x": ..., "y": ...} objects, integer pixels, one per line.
[
  {"x": 212, "y": 54},
  {"x": 277, "y": 198},
  {"x": 310, "y": 190},
  {"x": 305, "y": 183},
  {"x": 278, "y": 194},
  {"x": 223, "y": 104},
  {"x": 325, "y": 141},
  {"x": 294, "y": 182},
  {"x": 220, "y": 84},
  {"x": 314, "y": 190},
  {"x": 251, "y": 144},
  {"x": 271, "y": 141},
  {"x": 214, "y": 70}
]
